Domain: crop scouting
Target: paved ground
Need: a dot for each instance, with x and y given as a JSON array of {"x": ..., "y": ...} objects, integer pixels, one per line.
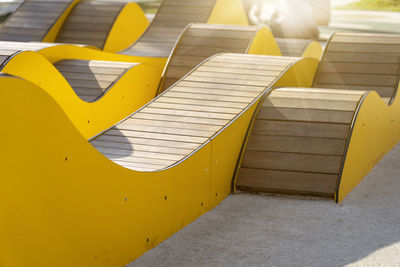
[{"x": 266, "y": 230}]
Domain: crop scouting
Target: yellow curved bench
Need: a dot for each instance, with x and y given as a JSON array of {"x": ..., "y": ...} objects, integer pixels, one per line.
[
  {"x": 96, "y": 23},
  {"x": 92, "y": 81},
  {"x": 324, "y": 141},
  {"x": 62, "y": 199}
]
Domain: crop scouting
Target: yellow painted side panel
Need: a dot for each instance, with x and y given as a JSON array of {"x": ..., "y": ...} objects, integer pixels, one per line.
[
  {"x": 128, "y": 27},
  {"x": 300, "y": 75},
  {"x": 230, "y": 12},
  {"x": 264, "y": 44},
  {"x": 375, "y": 132},
  {"x": 313, "y": 50},
  {"x": 55, "y": 29},
  {"x": 226, "y": 152},
  {"x": 136, "y": 87},
  {"x": 62, "y": 202}
]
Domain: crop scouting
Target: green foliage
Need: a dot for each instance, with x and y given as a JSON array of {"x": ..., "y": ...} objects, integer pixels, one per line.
[{"x": 382, "y": 5}]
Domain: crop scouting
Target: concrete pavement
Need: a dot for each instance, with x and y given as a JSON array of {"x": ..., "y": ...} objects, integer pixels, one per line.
[{"x": 267, "y": 230}]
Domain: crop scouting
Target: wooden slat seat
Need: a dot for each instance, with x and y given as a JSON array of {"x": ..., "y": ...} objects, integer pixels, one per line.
[
  {"x": 361, "y": 62},
  {"x": 200, "y": 41},
  {"x": 90, "y": 23},
  {"x": 32, "y": 20},
  {"x": 300, "y": 135},
  {"x": 90, "y": 79},
  {"x": 298, "y": 141},
  {"x": 172, "y": 17},
  {"x": 187, "y": 115}
]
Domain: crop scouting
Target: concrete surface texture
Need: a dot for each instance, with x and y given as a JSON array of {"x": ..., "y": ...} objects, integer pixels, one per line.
[{"x": 267, "y": 230}]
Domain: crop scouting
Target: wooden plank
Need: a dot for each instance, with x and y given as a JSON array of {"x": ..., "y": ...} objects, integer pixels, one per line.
[
  {"x": 148, "y": 135},
  {"x": 364, "y": 48},
  {"x": 286, "y": 181},
  {"x": 180, "y": 88},
  {"x": 296, "y": 114},
  {"x": 163, "y": 117},
  {"x": 360, "y": 68},
  {"x": 348, "y": 57},
  {"x": 295, "y": 144},
  {"x": 218, "y": 86},
  {"x": 316, "y": 94},
  {"x": 144, "y": 148},
  {"x": 358, "y": 79},
  {"x": 201, "y": 102},
  {"x": 197, "y": 114},
  {"x": 194, "y": 108},
  {"x": 381, "y": 90},
  {"x": 177, "y": 125},
  {"x": 367, "y": 39},
  {"x": 165, "y": 130},
  {"x": 319, "y": 104},
  {"x": 118, "y": 152},
  {"x": 240, "y": 99},
  {"x": 292, "y": 162},
  {"x": 301, "y": 129},
  {"x": 132, "y": 141}
]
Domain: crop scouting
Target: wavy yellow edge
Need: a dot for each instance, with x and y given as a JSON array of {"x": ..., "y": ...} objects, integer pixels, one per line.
[
  {"x": 313, "y": 50},
  {"x": 55, "y": 29},
  {"x": 62, "y": 201},
  {"x": 127, "y": 95},
  {"x": 134, "y": 89},
  {"x": 77, "y": 208},
  {"x": 264, "y": 43},
  {"x": 230, "y": 12},
  {"x": 376, "y": 130},
  {"x": 128, "y": 27}
]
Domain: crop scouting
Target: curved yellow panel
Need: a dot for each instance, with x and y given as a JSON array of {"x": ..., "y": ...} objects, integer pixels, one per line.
[
  {"x": 71, "y": 205},
  {"x": 375, "y": 131},
  {"x": 300, "y": 75},
  {"x": 313, "y": 50},
  {"x": 235, "y": 9},
  {"x": 55, "y": 29},
  {"x": 264, "y": 44},
  {"x": 128, "y": 27},
  {"x": 136, "y": 87}
]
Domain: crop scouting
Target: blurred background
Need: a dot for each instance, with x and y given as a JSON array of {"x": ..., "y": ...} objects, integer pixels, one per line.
[{"x": 309, "y": 19}]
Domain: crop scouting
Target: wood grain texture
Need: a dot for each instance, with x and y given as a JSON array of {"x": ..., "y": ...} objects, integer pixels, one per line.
[
  {"x": 299, "y": 136},
  {"x": 298, "y": 141},
  {"x": 90, "y": 23},
  {"x": 201, "y": 41},
  {"x": 171, "y": 19},
  {"x": 186, "y": 116},
  {"x": 361, "y": 62},
  {"x": 32, "y": 20},
  {"x": 91, "y": 78}
]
